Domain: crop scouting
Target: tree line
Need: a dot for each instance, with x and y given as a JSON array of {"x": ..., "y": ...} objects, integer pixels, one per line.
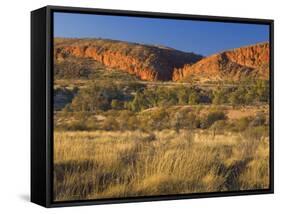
[{"x": 136, "y": 97}]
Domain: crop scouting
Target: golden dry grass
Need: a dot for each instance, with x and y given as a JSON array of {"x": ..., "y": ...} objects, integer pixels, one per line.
[{"x": 103, "y": 164}]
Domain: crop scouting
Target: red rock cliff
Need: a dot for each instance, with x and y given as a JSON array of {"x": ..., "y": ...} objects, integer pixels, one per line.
[
  {"x": 233, "y": 65},
  {"x": 145, "y": 61}
]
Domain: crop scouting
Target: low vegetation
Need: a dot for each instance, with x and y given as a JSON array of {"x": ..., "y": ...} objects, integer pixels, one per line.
[{"x": 112, "y": 164}]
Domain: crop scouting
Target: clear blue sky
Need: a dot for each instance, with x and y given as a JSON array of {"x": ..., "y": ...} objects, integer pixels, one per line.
[{"x": 201, "y": 37}]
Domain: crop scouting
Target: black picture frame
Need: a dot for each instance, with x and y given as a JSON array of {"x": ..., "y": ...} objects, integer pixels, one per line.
[{"x": 42, "y": 104}]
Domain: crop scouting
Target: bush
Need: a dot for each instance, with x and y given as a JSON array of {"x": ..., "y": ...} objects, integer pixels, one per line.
[
  {"x": 75, "y": 126},
  {"x": 219, "y": 126},
  {"x": 154, "y": 120},
  {"x": 178, "y": 121},
  {"x": 138, "y": 103},
  {"x": 262, "y": 90},
  {"x": 259, "y": 120},
  {"x": 182, "y": 95},
  {"x": 92, "y": 123},
  {"x": 184, "y": 119},
  {"x": 247, "y": 92},
  {"x": 110, "y": 123},
  {"x": 133, "y": 123},
  {"x": 97, "y": 97},
  {"x": 241, "y": 124},
  {"x": 72, "y": 68},
  {"x": 237, "y": 97},
  {"x": 128, "y": 120},
  {"x": 116, "y": 104},
  {"x": 159, "y": 119},
  {"x": 194, "y": 98},
  {"x": 211, "y": 118},
  {"x": 219, "y": 96},
  {"x": 192, "y": 121}
]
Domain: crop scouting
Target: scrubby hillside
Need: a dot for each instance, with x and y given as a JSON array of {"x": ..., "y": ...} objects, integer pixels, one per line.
[{"x": 145, "y": 61}]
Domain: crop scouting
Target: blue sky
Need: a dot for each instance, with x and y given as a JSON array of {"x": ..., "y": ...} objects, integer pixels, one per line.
[{"x": 200, "y": 37}]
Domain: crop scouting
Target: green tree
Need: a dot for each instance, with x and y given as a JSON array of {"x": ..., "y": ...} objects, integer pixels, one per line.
[
  {"x": 177, "y": 121},
  {"x": 219, "y": 96},
  {"x": 250, "y": 96},
  {"x": 138, "y": 102},
  {"x": 152, "y": 97},
  {"x": 97, "y": 96},
  {"x": 262, "y": 90},
  {"x": 237, "y": 97},
  {"x": 182, "y": 95},
  {"x": 193, "y": 98}
]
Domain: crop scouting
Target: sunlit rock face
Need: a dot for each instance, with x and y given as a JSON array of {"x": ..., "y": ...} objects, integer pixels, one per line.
[
  {"x": 148, "y": 62},
  {"x": 234, "y": 64}
]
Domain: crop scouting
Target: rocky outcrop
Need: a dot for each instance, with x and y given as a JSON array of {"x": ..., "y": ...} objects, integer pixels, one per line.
[
  {"x": 251, "y": 56},
  {"x": 145, "y": 61},
  {"x": 234, "y": 64}
]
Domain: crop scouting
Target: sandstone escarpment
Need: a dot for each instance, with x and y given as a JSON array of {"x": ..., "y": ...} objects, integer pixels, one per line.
[
  {"x": 145, "y": 61},
  {"x": 234, "y": 64},
  {"x": 251, "y": 56}
]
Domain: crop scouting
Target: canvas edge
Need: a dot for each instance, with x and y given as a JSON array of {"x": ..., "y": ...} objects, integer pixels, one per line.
[{"x": 38, "y": 108}]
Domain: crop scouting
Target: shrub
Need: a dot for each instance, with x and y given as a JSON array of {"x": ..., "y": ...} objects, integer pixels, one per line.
[
  {"x": 194, "y": 98},
  {"x": 72, "y": 68},
  {"x": 178, "y": 121},
  {"x": 76, "y": 126},
  {"x": 241, "y": 124},
  {"x": 261, "y": 88},
  {"x": 155, "y": 120},
  {"x": 211, "y": 118},
  {"x": 192, "y": 121},
  {"x": 259, "y": 120},
  {"x": 184, "y": 119},
  {"x": 182, "y": 95},
  {"x": 116, "y": 104},
  {"x": 92, "y": 123},
  {"x": 219, "y": 126},
  {"x": 110, "y": 123},
  {"x": 237, "y": 97},
  {"x": 98, "y": 96},
  {"x": 138, "y": 103},
  {"x": 219, "y": 96},
  {"x": 124, "y": 119}
]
